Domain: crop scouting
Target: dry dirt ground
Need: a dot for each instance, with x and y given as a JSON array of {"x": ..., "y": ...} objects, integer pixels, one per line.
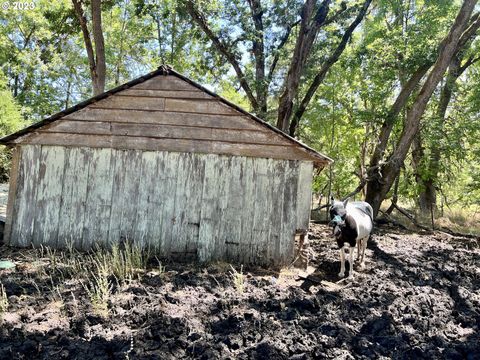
[{"x": 419, "y": 297}]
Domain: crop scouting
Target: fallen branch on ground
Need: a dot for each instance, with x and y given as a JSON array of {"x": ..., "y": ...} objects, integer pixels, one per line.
[{"x": 410, "y": 217}]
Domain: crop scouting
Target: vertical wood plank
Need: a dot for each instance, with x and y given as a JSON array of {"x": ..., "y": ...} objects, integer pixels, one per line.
[
  {"x": 236, "y": 204},
  {"x": 168, "y": 214},
  {"x": 24, "y": 211},
  {"x": 257, "y": 243},
  {"x": 145, "y": 198},
  {"x": 267, "y": 231},
  {"x": 12, "y": 193},
  {"x": 183, "y": 182},
  {"x": 74, "y": 193},
  {"x": 304, "y": 194},
  {"x": 248, "y": 212},
  {"x": 159, "y": 197},
  {"x": 221, "y": 229},
  {"x": 289, "y": 222},
  {"x": 277, "y": 184},
  {"x": 194, "y": 202},
  {"x": 99, "y": 198},
  {"x": 48, "y": 195},
  {"x": 207, "y": 234},
  {"x": 125, "y": 190}
]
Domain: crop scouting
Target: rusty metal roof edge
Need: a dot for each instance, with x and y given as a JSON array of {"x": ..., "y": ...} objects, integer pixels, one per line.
[{"x": 162, "y": 70}]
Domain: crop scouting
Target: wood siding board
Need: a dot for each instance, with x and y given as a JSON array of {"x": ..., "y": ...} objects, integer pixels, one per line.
[
  {"x": 164, "y": 118},
  {"x": 24, "y": 213},
  {"x": 304, "y": 194},
  {"x": 289, "y": 212},
  {"x": 168, "y": 215},
  {"x": 164, "y": 131},
  {"x": 48, "y": 195},
  {"x": 261, "y": 199},
  {"x": 267, "y": 231},
  {"x": 233, "y": 217},
  {"x": 145, "y": 198},
  {"x": 172, "y": 145},
  {"x": 209, "y": 213},
  {"x": 222, "y": 230},
  {"x": 99, "y": 197},
  {"x": 278, "y": 184},
  {"x": 182, "y": 94},
  {"x": 12, "y": 193},
  {"x": 160, "y": 195},
  {"x": 74, "y": 195},
  {"x": 199, "y": 106},
  {"x": 130, "y": 103},
  {"x": 166, "y": 83},
  {"x": 247, "y": 215},
  {"x": 194, "y": 199},
  {"x": 178, "y": 244},
  {"x": 125, "y": 190}
]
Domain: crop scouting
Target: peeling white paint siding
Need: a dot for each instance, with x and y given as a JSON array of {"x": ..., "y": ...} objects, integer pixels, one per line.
[
  {"x": 304, "y": 194},
  {"x": 202, "y": 206}
]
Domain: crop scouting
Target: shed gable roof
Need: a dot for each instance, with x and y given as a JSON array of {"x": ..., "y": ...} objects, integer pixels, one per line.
[{"x": 164, "y": 110}]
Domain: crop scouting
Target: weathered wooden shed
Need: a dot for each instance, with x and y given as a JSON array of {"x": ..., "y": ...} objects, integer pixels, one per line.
[{"x": 164, "y": 162}]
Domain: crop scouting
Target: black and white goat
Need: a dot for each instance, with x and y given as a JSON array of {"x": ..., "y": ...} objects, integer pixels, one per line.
[{"x": 352, "y": 224}]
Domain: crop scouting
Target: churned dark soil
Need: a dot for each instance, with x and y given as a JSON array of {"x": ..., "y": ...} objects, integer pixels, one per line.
[{"x": 419, "y": 297}]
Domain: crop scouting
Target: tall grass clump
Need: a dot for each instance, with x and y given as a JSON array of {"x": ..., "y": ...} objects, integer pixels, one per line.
[
  {"x": 238, "y": 279},
  {"x": 3, "y": 300},
  {"x": 99, "y": 289}
]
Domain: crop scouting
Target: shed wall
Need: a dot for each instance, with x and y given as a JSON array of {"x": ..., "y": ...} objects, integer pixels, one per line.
[{"x": 205, "y": 206}]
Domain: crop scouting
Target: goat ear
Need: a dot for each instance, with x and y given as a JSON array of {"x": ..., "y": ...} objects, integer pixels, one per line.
[{"x": 346, "y": 202}]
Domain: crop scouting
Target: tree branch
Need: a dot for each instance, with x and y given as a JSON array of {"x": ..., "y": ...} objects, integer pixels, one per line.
[
  {"x": 282, "y": 43},
  {"x": 326, "y": 66},
  {"x": 259, "y": 52},
  {"x": 222, "y": 48},
  {"x": 309, "y": 26},
  {"x": 77, "y": 5}
]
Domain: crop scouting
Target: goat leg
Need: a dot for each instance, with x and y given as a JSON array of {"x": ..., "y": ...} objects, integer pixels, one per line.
[{"x": 342, "y": 263}]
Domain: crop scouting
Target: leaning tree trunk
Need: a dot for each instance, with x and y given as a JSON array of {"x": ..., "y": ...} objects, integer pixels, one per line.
[
  {"x": 380, "y": 186},
  {"x": 428, "y": 180}
]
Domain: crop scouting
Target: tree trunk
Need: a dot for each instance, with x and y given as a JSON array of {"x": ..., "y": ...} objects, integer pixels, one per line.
[
  {"x": 96, "y": 59},
  {"x": 326, "y": 67},
  {"x": 100, "y": 65},
  {"x": 259, "y": 52},
  {"x": 426, "y": 190},
  {"x": 309, "y": 27},
  {"x": 380, "y": 185},
  {"x": 429, "y": 182},
  {"x": 391, "y": 117}
]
